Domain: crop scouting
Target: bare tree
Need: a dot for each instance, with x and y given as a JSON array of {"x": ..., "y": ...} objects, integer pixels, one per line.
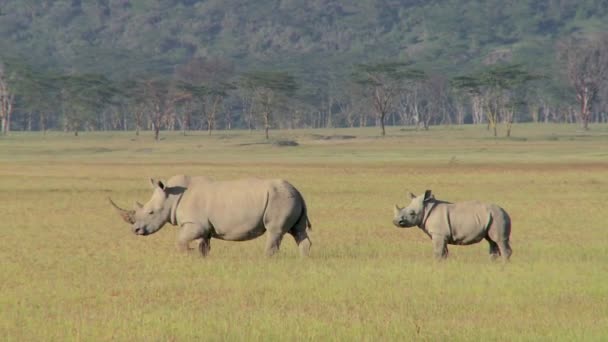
[
  {"x": 586, "y": 65},
  {"x": 207, "y": 81},
  {"x": 160, "y": 100},
  {"x": 429, "y": 100},
  {"x": 498, "y": 88},
  {"x": 247, "y": 104},
  {"x": 268, "y": 87},
  {"x": 383, "y": 81}
]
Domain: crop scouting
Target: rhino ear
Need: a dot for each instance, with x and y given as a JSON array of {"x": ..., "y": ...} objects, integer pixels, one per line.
[
  {"x": 157, "y": 183},
  {"x": 412, "y": 196},
  {"x": 428, "y": 195}
]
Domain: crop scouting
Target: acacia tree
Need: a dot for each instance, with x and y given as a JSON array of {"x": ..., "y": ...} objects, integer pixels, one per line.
[
  {"x": 214, "y": 98},
  {"x": 159, "y": 99},
  {"x": 268, "y": 89},
  {"x": 465, "y": 88},
  {"x": 383, "y": 82},
  {"x": 245, "y": 95},
  {"x": 586, "y": 65},
  {"x": 195, "y": 98},
  {"x": 499, "y": 88},
  {"x": 208, "y": 82},
  {"x": 134, "y": 95},
  {"x": 82, "y": 95},
  {"x": 38, "y": 92}
]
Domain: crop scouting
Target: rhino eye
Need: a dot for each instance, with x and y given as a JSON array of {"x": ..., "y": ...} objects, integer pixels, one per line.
[
  {"x": 151, "y": 212},
  {"x": 412, "y": 213}
]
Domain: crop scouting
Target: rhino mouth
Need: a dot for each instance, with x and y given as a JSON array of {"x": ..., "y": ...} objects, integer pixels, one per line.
[
  {"x": 402, "y": 223},
  {"x": 142, "y": 231}
]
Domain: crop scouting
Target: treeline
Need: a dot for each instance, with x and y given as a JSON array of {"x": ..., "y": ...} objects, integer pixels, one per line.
[
  {"x": 214, "y": 65},
  {"x": 208, "y": 94}
]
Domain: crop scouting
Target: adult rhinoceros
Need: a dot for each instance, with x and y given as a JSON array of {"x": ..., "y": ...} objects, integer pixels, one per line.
[
  {"x": 462, "y": 223},
  {"x": 237, "y": 210}
]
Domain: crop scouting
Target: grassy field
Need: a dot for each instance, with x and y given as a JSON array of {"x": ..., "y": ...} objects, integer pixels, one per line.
[{"x": 71, "y": 270}]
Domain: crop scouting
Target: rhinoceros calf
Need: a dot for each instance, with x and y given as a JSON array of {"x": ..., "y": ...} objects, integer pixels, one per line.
[
  {"x": 462, "y": 223},
  {"x": 237, "y": 210}
]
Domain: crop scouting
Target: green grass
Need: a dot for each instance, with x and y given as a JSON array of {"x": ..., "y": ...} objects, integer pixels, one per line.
[{"x": 71, "y": 270}]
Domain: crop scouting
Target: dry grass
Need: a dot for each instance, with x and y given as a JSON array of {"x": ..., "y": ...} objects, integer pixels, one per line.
[{"x": 72, "y": 271}]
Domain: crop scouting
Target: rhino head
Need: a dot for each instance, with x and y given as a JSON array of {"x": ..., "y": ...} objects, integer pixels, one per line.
[
  {"x": 149, "y": 218},
  {"x": 413, "y": 214}
]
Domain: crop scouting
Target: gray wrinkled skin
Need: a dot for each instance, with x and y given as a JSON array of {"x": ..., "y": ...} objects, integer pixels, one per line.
[
  {"x": 462, "y": 223},
  {"x": 237, "y": 210}
]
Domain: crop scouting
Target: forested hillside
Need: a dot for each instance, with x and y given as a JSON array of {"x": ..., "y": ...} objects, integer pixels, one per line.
[{"x": 225, "y": 63}]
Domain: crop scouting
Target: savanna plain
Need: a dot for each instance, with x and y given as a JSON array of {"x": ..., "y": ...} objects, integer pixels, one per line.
[{"x": 71, "y": 270}]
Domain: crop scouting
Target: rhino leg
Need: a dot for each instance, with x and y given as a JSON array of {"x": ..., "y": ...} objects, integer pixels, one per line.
[
  {"x": 300, "y": 233},
  {"x": 302, "y": 240},
  {"x": 188, "y": 233},
  {"x": 494, "y": 250},
  {"x": 505, "y": 249},
  {"x": 440, "y": 247},
  {"x": 273, "y": 242},
  {"x": 204, "y": 246}
]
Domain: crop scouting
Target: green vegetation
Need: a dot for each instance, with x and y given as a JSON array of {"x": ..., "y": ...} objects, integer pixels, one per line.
[
  {"x": 72, "y": 270},
  {"x": 196, "y": 45}
]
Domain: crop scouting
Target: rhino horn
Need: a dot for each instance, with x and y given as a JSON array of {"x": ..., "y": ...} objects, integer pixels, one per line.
[
  {"x": 138, "y": 205},
  {"x": 412, "y": 196},
  {"x": 396, "y": 209},
  {"x": 127, "y": 215}
]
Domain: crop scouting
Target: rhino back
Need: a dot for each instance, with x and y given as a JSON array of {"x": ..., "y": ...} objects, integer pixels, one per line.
[
  {"x": 466, "y": 222},
  {"x": 234, "y": 208}
]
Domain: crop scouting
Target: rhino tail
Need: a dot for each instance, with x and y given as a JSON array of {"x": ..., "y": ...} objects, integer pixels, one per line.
[{"x": 303, "y": 215}]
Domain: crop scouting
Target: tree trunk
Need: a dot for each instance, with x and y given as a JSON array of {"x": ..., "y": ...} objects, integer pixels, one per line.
[
  {"x": 330, "y": 104},
  {"x": 29, "y": 122},
  {"x": 266, "y": 124},
  {"x": 585, "y": 111},
  {"x": 42, "y": 122},
  {"x": 382, "y": 123},
  {"x": 6, "y": 119},
  {"x": 138, "y": 118}
]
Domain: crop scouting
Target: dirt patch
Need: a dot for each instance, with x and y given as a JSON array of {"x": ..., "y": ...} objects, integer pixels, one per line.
[
  {"x": 285, "y": 143},
  {"x": 332, "y": 137},
  {"x": 253, "y": 143}
]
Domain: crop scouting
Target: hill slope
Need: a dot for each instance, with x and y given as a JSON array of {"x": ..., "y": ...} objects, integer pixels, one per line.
[{"x": 113, "y": 35}]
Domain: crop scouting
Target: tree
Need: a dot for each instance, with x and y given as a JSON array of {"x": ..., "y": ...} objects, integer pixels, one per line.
[
  {"x": 159, "y": 99},
  {"x": 83, "y": 95},
  {"x": 208, "y": 82},
  {"x": 38, "y": 92},
  {"x": 437, "y": 93},
  {"x": 498, "y": 86},
  {"x": 194, "y": 97},
  {"x": 268, "y": 87},
  {"x": 586, "y": 65},
  {"x": 384, "y": 81},
  {"x": 7, "y": 98}
]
